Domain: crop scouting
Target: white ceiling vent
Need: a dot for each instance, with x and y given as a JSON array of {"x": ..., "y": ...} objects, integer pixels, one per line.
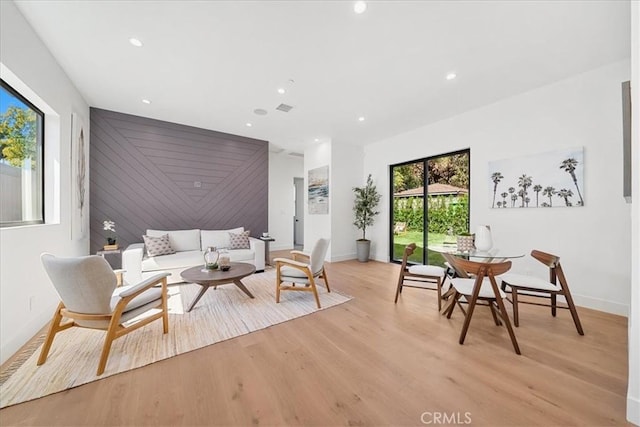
[
  {"x": 296, "y": 154},
  {"x": 284, "y": 107}
]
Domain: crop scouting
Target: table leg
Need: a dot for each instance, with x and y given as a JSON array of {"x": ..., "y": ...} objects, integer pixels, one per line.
[
  {"x": 244, "y": 289},
  {"x": 197, "y": 298}
]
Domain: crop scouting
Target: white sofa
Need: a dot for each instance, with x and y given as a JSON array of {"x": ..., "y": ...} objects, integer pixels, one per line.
[{"x": 189, "y": 246}]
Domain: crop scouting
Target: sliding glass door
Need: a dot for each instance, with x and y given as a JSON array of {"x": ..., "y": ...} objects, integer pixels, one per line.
[{"x": 430, "y": 204}]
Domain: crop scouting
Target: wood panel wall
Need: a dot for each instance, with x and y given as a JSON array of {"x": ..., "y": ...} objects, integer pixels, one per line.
[{"x": 147, "y": 173}]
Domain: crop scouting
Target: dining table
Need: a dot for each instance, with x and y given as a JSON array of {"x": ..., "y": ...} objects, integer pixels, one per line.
[{"x": 478, "y": 265}]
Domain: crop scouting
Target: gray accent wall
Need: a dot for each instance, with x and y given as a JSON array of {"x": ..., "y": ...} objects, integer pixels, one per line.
[{"x": 148, "y": 173}]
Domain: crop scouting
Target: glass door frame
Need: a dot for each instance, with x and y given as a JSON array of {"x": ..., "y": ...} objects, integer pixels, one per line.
[{"x": 425, "y": 205}]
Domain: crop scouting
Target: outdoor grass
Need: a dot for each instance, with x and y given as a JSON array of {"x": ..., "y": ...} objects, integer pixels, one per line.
[{"x": 403, "y": 239}]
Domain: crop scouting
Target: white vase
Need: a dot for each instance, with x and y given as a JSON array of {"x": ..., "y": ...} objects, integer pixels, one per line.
[{"x": 483, "y": 240}]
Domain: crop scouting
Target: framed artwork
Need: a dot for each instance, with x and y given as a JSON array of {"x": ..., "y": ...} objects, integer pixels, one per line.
[
  {"x": 79, "y": 178},
  {"x": 547, "y": 180},
  {"x": 319, "y": 191}
]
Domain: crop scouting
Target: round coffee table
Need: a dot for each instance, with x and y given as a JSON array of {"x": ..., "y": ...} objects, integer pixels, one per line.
[{"x": 208, "y": 278}]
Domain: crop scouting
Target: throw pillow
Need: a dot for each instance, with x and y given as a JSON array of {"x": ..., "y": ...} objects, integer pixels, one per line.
[
  {"x": 239, "y": 240},
  {"x": 158, "y": 245}
]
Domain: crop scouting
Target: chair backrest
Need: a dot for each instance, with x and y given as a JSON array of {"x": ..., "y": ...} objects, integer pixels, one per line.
[
  {"x": 317, "y": 255},
  {"x": 473, "y": 267},
  {"x": 547, "y": 259},
  {"x": 85, "y": 284},
  {"x": 408, "y": 251}
]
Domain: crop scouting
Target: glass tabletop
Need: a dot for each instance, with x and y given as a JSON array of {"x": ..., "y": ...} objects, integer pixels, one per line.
[{"x": 491, "y": 254}]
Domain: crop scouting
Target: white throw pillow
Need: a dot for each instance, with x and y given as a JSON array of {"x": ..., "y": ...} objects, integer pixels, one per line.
[
  {"x": 181, "y": 240},
  {"x": 218, "y": 238}
]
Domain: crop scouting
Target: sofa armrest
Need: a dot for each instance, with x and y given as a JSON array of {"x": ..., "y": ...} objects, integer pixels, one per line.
[
  {"x": 132, "y": 263},
  {"x": 257, "y": 246}
]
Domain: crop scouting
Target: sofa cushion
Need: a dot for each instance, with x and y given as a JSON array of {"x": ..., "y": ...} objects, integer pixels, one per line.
[
  {"x": 158, "y": 245},
  {"x": 217, "y": 238},
  {"x": 241, "y": 255},
  {"x": 239, "y": 240},
  {"x": 181, "y": 240},
  {"x": 183, "y": 259}
]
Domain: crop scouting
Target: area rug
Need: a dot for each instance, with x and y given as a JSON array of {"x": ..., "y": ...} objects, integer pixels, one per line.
[{"x": 221, "y": 314}]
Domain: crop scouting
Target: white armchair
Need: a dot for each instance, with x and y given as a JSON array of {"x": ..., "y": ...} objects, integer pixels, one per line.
[{"x": 90, "y": 299}]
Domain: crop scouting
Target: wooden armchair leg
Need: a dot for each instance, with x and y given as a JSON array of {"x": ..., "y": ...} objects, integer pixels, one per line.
[
  {"x": 54, "y": 328},
  {"x": 314, "y": 290},
  {"x": 553, "y": 305},
  {"x": 399, "y": 287},
  {"x": 326, "y": 281},
  {"x": 439, "y": 284},
  {"x": 165, "y": 307}
]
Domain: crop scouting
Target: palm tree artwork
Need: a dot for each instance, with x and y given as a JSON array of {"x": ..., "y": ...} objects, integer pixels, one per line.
[
  {"x": 549, "y": 191},
  {"x": 519, "y": 179},
  {"x": 569, "y": 166},
  {"x": 537, "y": 189},
  {"x": 496, "y": 177}
]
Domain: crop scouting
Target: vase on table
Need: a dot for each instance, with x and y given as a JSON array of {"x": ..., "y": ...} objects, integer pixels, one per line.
[
  {"x": 211, "y": 256},
  {"x": 483, "y": 241}
]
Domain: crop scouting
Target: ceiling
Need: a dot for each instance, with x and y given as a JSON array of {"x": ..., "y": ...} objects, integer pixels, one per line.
[{"x": 211, "y": 63}]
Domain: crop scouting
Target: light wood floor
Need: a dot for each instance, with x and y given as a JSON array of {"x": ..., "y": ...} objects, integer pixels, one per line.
[{"x": 369, "y": 362}]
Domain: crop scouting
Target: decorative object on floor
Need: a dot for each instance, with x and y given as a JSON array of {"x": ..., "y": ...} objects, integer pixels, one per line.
[
  {"x": 73, "y": 358},
  {"x": 90, "y": 299},
  {"x": 535, "y": 287},
  {"x": 319, "y": 191},
  {"x": 364, "y": 205},
  {"x": 464, "y": 242},
  {"x": 303, "y": 269},
  {"x": 110, "y": 227},
  {"x": 211, "y": 256},
  {"x": 79, "y": 178},
  {"x": 552, "y": 179},
  {"x": 483, "y": 241},
  {"x": 420, "y": 275}
]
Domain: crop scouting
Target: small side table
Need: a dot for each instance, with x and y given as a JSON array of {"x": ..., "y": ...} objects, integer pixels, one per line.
[
  {"x": 118, "y": 271},
  {"x": 267, "y": 256}
]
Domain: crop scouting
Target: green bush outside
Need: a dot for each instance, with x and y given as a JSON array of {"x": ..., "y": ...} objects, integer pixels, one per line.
[{"x": 445, "y": 213}]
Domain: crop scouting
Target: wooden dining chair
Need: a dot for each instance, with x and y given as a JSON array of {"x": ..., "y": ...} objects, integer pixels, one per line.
[
  {"x": 417, "y": 276},
  {"x": 484, "y": 288},
  {"x": 531, "y": 286}
]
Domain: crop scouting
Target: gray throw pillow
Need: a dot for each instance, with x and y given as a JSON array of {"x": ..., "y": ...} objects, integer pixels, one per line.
[
  {"x": 239, "y": 240},
  {"x": 158, "y": 245}
]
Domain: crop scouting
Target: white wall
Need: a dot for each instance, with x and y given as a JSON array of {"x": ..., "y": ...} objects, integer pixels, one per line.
[
  {"x": 633, "y": 392},
  {"x": 346, "y": 173},
  {"x": 317, "y": 226},
  {"x": 585, "y": 110},
  {"x": 27, "y": 298},
  {"x": 282, "y": 169}
]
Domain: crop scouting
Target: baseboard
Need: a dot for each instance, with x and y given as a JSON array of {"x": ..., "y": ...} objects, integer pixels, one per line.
[
  {"x": 633, "y": 410},
  {"x": 601, "y": 305},
  {"x": 345, "y": 257}
]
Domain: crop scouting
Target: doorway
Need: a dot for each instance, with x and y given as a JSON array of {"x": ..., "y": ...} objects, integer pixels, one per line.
[
  {"x": 298, "y": 216},
  {"x": 430, "y": 204}
]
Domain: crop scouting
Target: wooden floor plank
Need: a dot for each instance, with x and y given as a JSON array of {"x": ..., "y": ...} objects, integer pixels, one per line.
[{"x": 369, "y": 362}]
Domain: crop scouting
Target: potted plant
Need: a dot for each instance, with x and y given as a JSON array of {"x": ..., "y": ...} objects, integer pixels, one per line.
[
  {"x": 110, "y": 228},
  {"x": 366, "y": 201}
]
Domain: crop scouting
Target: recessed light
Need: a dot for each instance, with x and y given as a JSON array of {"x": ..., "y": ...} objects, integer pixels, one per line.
[
  {"x": 281, "y": 90},
  {"x": 451, "y": 76},
  {"x": 316, "y": 140},
  {"x": 146, "y": 101},
  {"x": 260, "y": 112},
  {"x": 136, "y": 42},
  {"x": 359, "y": 7},
  {"x": 249, "y": 125},
  {"x": 361, "y": 119}
]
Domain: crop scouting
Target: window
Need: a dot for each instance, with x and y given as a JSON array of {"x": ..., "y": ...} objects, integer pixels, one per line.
[{"x": 21, "y": 159}]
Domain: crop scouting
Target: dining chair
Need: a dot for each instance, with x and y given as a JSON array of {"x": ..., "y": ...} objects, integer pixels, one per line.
[
  {"x": 90, "y": 299},
  {"x": 303, "y": 269},
  {"x": 483, "y": 287},
  {"x": 418, "y": 276},
  {"x": 531, "y": 286}
]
